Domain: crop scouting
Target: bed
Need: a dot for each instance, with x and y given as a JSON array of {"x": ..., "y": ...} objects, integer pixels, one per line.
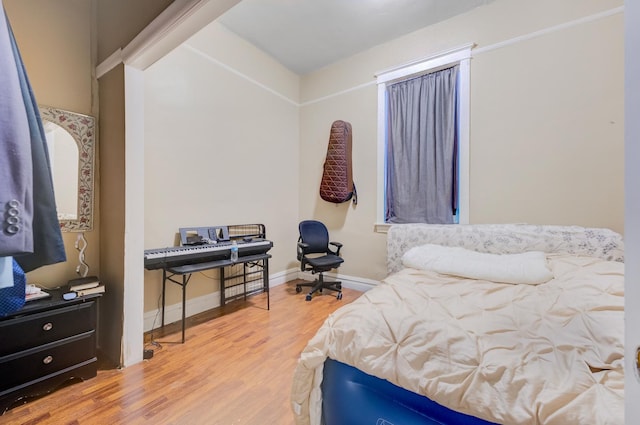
[{"x": 476, "y": 324}]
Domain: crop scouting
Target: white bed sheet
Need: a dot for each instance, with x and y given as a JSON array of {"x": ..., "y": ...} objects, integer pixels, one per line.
[{"x": 512, "y": 354}]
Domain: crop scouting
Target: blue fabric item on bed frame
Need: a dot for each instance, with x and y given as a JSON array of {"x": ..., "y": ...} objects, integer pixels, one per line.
[{"x": 352, "y": 397}]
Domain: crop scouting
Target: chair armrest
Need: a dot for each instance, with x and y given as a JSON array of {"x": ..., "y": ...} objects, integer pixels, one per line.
[
  {"x": 337, "y": 245},
  {"x": 301, "y": 250},
  {"x": 303, "y": 246}
]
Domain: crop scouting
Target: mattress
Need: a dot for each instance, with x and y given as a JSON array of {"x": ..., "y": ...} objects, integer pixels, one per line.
[
  {"x": 544, "y": 353},
  {"x": 352, "y": 397}
]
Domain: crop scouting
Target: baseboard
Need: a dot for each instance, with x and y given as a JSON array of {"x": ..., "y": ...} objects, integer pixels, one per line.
[
  {"x": 173, "y": 312},
  {"x": 283, "y": 277},
  {"x": 352, "y": 282}
]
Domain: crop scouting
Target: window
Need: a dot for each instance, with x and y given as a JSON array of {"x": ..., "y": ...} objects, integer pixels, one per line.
[{"x": 457, "y": 60}]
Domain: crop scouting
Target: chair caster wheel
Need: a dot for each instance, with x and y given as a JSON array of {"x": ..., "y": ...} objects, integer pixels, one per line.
[
  {"x": 308, "y": 297},
  {"x": 339, "y": 296},
  {"x": 298, "y": 289}
]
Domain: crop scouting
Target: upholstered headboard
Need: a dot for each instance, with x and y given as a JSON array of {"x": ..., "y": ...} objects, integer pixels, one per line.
[{"x": 505, "y": 239}]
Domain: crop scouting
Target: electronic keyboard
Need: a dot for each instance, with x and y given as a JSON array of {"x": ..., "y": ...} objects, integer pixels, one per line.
[{"x": 175, "y": 256}]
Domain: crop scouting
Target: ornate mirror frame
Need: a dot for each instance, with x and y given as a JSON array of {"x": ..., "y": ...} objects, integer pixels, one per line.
[{"x": 82, "y": 129}]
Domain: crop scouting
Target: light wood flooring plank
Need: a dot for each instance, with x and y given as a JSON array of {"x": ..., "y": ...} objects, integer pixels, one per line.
[{"x": 235, "y": 368}]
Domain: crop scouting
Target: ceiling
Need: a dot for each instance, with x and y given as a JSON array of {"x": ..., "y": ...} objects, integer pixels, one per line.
[{"x": 306, "y": 35}]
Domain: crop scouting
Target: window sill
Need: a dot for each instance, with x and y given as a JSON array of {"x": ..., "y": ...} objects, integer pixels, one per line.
[{"x": 381, "y": 227}]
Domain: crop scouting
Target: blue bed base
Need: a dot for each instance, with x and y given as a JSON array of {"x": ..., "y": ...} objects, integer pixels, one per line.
[{"x": 351, "y": 397}]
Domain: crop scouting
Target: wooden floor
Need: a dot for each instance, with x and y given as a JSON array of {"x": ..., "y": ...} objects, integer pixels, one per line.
[{"x": 235, "y": 367}]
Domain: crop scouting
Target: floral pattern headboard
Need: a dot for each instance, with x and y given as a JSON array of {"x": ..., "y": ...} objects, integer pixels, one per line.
[{"x": 505, "y": 239}]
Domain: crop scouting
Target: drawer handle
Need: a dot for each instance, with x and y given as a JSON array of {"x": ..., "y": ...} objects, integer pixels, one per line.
[
  {"x": 47, "y": 360},
  {"x": 47, "y": 326}
]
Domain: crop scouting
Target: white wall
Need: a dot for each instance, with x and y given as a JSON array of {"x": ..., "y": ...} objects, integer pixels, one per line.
[
  {"x": 546, "y": 131},
  {"x": 632, "y": 210},
  {"x": 546, "y": 137},
  {"x": 547, "y": 128},
  {"x": 221, "y": 147}
]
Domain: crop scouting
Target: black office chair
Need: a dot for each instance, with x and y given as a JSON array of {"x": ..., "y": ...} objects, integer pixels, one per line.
[{"x": 316, "y": 256}]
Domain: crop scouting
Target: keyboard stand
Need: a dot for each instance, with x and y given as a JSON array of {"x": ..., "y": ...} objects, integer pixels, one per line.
[{"x": 169, "y": 274}]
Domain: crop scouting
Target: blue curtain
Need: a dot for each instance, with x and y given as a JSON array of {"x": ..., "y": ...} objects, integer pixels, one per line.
[{"x": 421, "y": 164}]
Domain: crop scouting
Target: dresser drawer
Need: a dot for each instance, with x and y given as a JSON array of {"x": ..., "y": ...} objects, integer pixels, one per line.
[
  {"x": 25, "y": 366},
  {"x": 23, "y": 332}
]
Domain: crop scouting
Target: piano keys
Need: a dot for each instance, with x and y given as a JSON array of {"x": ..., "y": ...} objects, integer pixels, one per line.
[{"x": 175, "y": 256}]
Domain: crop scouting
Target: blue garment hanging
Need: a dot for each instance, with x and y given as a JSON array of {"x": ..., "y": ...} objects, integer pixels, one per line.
[
  {"x": 48, "y": 247},
  {"x": 39, "y": 227},
  {"x": 12, "y": 298},
  {"x": 16, "y": 175},
  {"x": 29, "y": 228}
]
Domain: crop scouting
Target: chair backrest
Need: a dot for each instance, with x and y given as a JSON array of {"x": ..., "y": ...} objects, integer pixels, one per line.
[{"x": 316, "y": 235}]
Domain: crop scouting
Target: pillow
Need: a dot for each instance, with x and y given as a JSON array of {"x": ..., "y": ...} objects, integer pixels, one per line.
[{"x": 527, "y": 267}]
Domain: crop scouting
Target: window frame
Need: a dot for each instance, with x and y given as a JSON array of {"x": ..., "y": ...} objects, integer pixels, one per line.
[{"x": 459, "y": 56}]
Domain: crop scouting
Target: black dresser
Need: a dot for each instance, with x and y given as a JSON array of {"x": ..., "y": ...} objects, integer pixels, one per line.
[{"x": 45, "y": 344}]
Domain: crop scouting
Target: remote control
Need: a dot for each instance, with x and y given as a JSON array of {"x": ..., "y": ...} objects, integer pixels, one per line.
[{"x": 69, "y": 296}]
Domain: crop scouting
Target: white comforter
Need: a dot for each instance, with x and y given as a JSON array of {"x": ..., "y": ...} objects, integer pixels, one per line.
[{"x": 508, "y": 353}]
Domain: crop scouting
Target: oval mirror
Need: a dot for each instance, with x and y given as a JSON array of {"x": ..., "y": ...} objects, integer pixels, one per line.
[{"x": 71, "y": 143}]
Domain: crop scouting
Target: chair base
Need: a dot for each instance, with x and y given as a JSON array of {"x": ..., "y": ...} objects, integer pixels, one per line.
[{"x": 318, "y": 285}]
